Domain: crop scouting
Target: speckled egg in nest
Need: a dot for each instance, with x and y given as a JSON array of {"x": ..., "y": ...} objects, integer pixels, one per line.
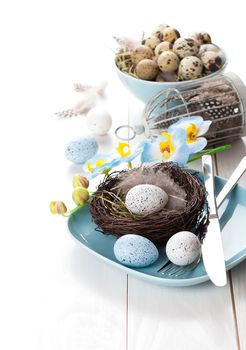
[{"x": 183, "y": 212}]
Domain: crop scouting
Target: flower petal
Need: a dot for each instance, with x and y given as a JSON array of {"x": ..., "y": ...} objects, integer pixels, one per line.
[
  {"x": 181, "y": 154},
  {"x": 184, "y": 122},
  {"x": 198, "y": 145},
  {"x": 151, "y": 152},
  {"x": 204, "y": 127}
]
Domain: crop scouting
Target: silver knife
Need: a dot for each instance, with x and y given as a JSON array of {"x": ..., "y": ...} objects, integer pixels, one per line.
[
  {"x": 230, "y": 184},
  {"x": 212, "y": 248}
]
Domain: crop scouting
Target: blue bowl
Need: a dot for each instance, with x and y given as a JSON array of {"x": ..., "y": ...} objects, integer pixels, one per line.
[{"x": 144, "y": 89}]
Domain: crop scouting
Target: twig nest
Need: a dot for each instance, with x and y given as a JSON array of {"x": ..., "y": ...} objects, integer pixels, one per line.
[
  {"x": 184, "y": 210},
  {"x": 140, "y": 53},
  {"x": 183, "y": 248},
  {"x": 145, "y": 199},
  {"x": 170, "y": 34},
  {"x": 135, "y": 251},
  {"x": 164, "y": 46},
  {"x": 168, "y": 61},
  {"x": 201, "y": 37},
  {"x": 186, "y": 47},
  {"x": 212, "y": 61},
  {"x": 147, "y": 69},
  {"x": 190, "y": 68}
]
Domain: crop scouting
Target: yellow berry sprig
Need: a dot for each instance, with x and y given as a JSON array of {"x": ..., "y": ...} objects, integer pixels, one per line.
[{"x": 80, "y": 197}]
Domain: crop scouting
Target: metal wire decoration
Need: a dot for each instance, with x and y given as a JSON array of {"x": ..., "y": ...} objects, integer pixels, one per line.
[{"x": 221, "y": 99}]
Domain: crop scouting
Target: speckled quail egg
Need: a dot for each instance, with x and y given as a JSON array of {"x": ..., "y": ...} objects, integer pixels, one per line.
[
  {"x": 186, "y": 47},
  {"x": 170, "y": 34},
  {"x": 151, "y": 42},
  {"x": 135, "y": 251},
  {"x": 207, "y": 47},
  {"x": 190, "y": 68},
  {"x": 145, "y": 199},
  {"x": 82, "y": 149},
  {"x": 158, "y": 30},
  {"x": 212, "y": 61},
  {"x": 201, "y": 37},
  {"x": 140, "y": 53},
  {"x": 183, "y": 248},
  {"x": 166, "y": 76},
  {"x": 164, "y": 46},
  {"x": 168, "y": 61},
  {"x": 98, "y": 121},
  {"x": 147, "y": 69}
]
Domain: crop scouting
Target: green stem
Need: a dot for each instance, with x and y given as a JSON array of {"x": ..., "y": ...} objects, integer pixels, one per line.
[
  {"x": 209, "y": 151},
  {"x": 129, "y": 165}
]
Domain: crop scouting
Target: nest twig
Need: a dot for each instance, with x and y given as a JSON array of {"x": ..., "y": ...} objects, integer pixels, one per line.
[{"x": 112, "y": 217}]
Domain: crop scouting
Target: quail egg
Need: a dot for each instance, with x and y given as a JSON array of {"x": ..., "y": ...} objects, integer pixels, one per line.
[
  {"x": 201, "y": 37},
  {"x": 207, "y": 47},
  {"x": 147, "y": 69},
  {"x": 135, "y": 251},
  {"x": 158, "y": 30},
  {"x": 82, "y": 149},
  {"x": 145, "y": 199},
  {"x": 212, "y": 61},
  {"x": 140, "y": 53},
  {"x": 186, "y": 47},
  {"x": 168, "y": 61},
  {"x": 183, "y": 248},
  {"x": 170, "y": 34},
  {"x": 151, "y": 42},
  {"x": 190, "y": 68},
  {"x": 164, "y": 46}
]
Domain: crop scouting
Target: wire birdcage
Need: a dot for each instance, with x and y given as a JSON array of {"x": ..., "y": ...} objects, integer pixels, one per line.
[{"x": 221, "y": 99}]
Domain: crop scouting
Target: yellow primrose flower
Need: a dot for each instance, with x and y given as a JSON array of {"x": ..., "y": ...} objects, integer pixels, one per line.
[
  {"x": 166, "y": 147},
  {"x": 123, "y": 149}
]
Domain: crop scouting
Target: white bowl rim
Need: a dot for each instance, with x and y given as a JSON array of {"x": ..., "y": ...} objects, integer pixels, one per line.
[{"x": 183, "y": 82}]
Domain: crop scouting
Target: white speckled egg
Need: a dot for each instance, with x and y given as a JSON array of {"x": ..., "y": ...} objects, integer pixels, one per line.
[
  {"x": 82, "y": 149},
  {"x": 98, "y": 121},
  {"x": 135, "y": 251},
  {"x": 183, "y": 248},
  {"x": 145, "y": 199}
]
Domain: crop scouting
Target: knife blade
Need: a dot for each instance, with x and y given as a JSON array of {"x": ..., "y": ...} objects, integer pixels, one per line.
[{"x": 212, "y": 248}]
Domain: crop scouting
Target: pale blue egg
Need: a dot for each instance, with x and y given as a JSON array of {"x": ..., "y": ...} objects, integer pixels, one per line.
[
  {"x": 135, "y": 251},
  {"x": 82, "y": 149}
]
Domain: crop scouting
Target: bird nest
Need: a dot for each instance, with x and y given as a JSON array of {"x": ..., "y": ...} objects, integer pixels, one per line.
[{"x": 185, "y": 209}]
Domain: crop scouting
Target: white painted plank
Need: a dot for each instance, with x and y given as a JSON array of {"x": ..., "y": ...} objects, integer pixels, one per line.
[
  {"x": 226, "y": 164},
  {"x": 172, "y": 318}
]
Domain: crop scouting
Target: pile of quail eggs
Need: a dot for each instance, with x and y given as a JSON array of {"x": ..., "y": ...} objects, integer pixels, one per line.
[{"x": 166, "y": 56}]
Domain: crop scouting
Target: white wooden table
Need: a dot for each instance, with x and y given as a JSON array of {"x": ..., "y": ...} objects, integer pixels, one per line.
[{"x": 53, "y": 294}]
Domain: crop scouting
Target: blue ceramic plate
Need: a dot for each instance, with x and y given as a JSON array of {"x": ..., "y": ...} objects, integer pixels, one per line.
[{"x": 232, "y": 220}]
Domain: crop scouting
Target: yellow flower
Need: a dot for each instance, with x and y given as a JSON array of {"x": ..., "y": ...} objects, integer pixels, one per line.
[
  {"x": 166, "y": 147},
  {"x": 123, "y": 149},
  {"x": 57, "y": 207},
  {"x": 191, "y": 133},
  {"x": 98, "y": 163},
  {"x": 80, "y": 195}
]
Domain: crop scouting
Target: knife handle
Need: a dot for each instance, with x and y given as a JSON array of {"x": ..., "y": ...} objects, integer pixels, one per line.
[
  {"x": 238, "y": 172},
  {"x": 208, "y": 172}
]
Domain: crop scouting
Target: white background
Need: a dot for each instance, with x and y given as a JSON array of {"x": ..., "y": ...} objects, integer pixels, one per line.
[{"x": 51, "y": 296}]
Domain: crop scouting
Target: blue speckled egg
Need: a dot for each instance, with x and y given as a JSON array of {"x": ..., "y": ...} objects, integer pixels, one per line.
[
  {"x": 135, "y": 251},
  {"x": 82, "y": 149}
]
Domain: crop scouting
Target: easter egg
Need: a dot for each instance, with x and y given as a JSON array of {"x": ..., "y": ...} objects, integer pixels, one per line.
[
  {"x": 135, "y": 251},
  {"x": 183, "y": 248},
  {"x": 145, "y": 199},
  {"x": 82, "y": 149},
  {"x": 98, "y": 121}
]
